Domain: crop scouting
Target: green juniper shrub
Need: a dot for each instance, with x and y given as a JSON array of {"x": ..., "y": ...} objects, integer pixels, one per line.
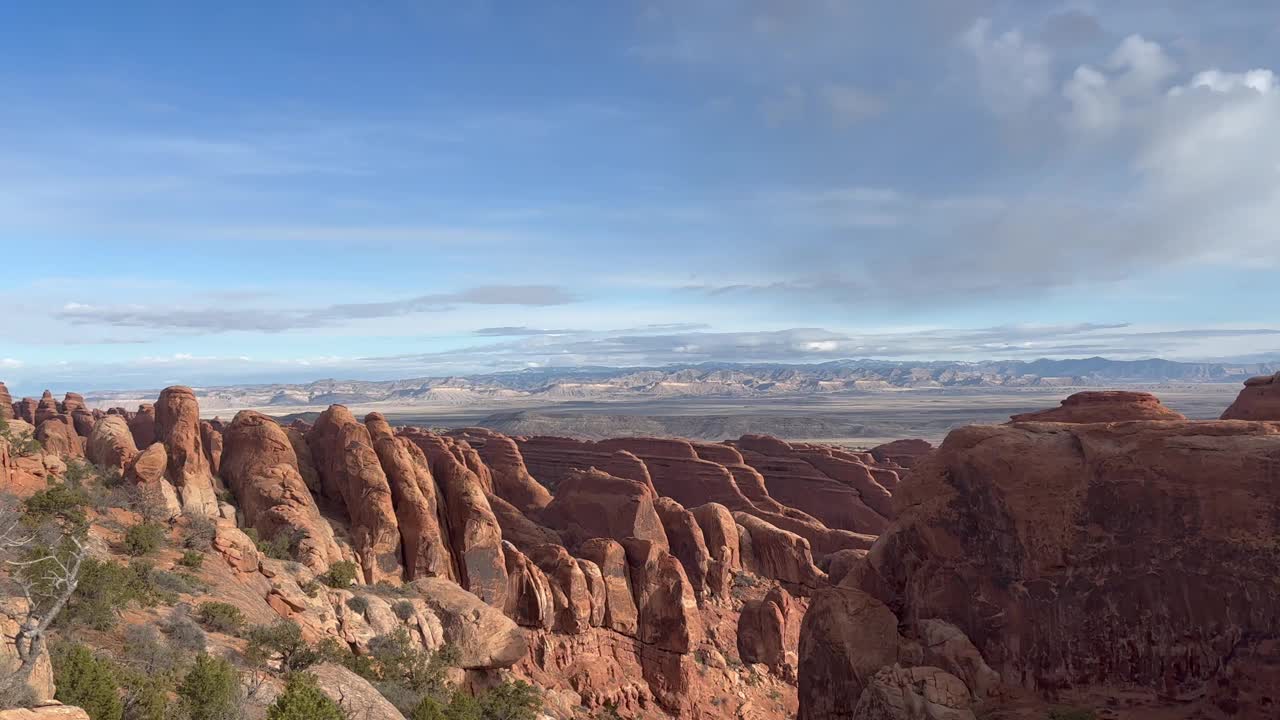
[
  {"x": 279, "y": 547},
  {"x": 303, "y": 700},
  {"x": 78, "y": 473},
  {"x": 186, "y": 635},
  {"x": 57, "y": 503},
  {"x": 463, "y": 707},
  {"x": 105, "y": 588},
  {"x": 87, "y": 681},
  {"x": 358, "y": 604},
  {"x": 311, "y": 588},
  {"x": 191, "y": 559},
  {"x": 147, "y": 651},
  {"x": 341, "y": 574},
  {"x": 220, "y": 617},
  {"x": 144, "y": 538},
  {"x": 21, "y": 444},
  {"x": 403, "y": 610},
  {"x": 146, "y": 696},
  {"x": 210, "y": 690},
  {"x": 516, "y": 700},
  {"x": 284, "y": 639}
]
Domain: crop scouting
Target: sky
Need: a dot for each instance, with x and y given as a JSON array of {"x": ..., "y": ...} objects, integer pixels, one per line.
[{"x": 241, "y": 192}]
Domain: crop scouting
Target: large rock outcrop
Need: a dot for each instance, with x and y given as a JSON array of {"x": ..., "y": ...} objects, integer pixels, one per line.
[
  {"x": 482, "y": 635},
  {"x": 143, "y": 425},
  {"x": 1138, "y": 553},
  {"x": 6, "y": 404},
  {"x": 352, "y": 476},
  {"x": 1260, "y": 400},
  {"x": 667, "y": 610},
  {"x": 1096, "y": 406},
  {"x": 904, "y": 453},
  {"x": 684, "y": 536},
  {"x": 592, "y": 504},
  {"x": 261, "y": 469},
  {"x": 620, "y": 612},
  {"x": 511, "y": 479},
  {"x": 110, "y": 444},
  {"x": 415, "y": 500},
  {"x": 762, "y": 629},
  {"x": 475, "y": 536},
  {"x": 846, "y": 638},
  {"x": 178, "y": 429},
  {"x": 58, "y": 436},
  {"x": 774, "y": 553}
]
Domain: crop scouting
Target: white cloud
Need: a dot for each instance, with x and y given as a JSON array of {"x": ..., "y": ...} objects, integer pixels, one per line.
[
  {"x": 1013, "y": 71},
  {"x": 10, "y": 363}
]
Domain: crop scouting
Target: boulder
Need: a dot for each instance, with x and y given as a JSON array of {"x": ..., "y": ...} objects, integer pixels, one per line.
[
  {"x": 211, "y": 438},
  {"x": 110, "y": 445},
  {"x": 1097, "y": 406},
  {"x": 943, "y": 645},
  {"x": 177, "y": 426},
  {"x": 357, "y": 697},
  {"x": 483, "y": 636},
  {"x": 1260, "y": 400}
]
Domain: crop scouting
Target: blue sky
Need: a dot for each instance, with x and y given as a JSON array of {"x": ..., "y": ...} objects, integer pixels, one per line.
[{"x": 244, "y": 193}]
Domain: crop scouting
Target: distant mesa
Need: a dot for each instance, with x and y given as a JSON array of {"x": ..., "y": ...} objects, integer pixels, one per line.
[{"x": 1104, "y": 406}]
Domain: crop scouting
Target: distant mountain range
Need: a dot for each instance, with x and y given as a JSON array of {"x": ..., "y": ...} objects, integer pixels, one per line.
[{"x": 554, "y": 385}]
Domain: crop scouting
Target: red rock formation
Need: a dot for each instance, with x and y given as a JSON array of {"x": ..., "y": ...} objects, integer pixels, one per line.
[
  {"x": 6, "y": 404},
  {"x": 774, "y": 553},
  {"x": 110, "y": 444},
  {"x": 352, "y": 476},
  {"x": 306, "y": 465},
  {"x": 148, "y": 472},
  {"x": 684, "y": 536},
  {"x": 211, "y": 439},
  {"x": 178, "y": 428},
  {"x": 720, "y": 534},
  {"x": 551, "y": 459},
  {"x": 47, "y": 408},
  {"x": 25, "y": 410},
  {"x": 474, "y": 533},
  {"x": 762, "y": 629},
  {"x": 1104, "y": 406},
  {"x": 143, "y": 425},
  {"x": 795, "y": 482},
  {"x": 260, "y": 468},
  {"x": 1260, "y": 400},
  {"x": 905, "y": 453},
  {"x": 847, "y": 637},
  {"x": 569, "y": 591},
  {"x": 594, "y": 504},
  {"x": 1136, "y": 554},
  {"x": 667, "y": 610},
  {"x": 620, "y": 612},
  {"x": 511, "y": 479},
  {"x": 518, "y": 529},
  {"x": 59, "y": 436},
  {"x": 843, "y": 467},
  {"x": 415, "y": 500},
  {"x": 529, "y": 601},
  {"x": 718, "y": 453},
  {"x": 596, "y": 589}
]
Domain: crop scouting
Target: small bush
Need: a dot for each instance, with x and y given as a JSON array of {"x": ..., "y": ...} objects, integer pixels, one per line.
[
  {"x": 147, "y": 651},
  {"x": 20, "y": 444},
  {"x": 199, "y": 533},
  {"x": 78, "y": 473},
  {"x": 146, "y": 696},
  {"x": 1065, "y": 713},
  {"x": 226, "y": 496},
  {"x": 169, "y": 585},
  {"x": 510, "y": 701},
  {"x": 220, "y": 617},
  {"x": 210, "y": 690},
  {"x": 311, "y": 588},
  {"x": 105, "y": 588},
  {"x": 87, "y": 681},
  {"x": 144, "y": 538},
  {"x": 186, "y": 634},
  {"x": 302, "y": 700},
  {"x": 341, "y": 574},
  {"x": 382, "y": 587},
  {"x": 403, "y": 610},
  {"x": 191, "y": 559},
  {"x": 358, "y": 603},
  {"x": 284, "y": 639}
]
